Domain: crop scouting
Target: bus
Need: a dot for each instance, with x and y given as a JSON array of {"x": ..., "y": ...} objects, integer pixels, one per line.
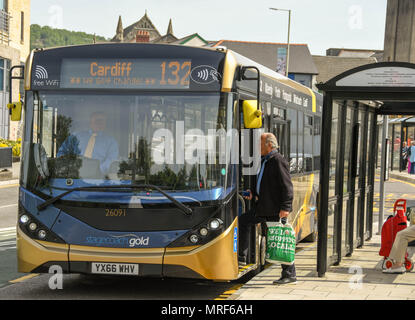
[{"x": 119, "y": 175}]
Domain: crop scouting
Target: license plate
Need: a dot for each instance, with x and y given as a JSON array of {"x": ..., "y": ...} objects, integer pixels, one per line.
[{"x": 115, "y": 268}]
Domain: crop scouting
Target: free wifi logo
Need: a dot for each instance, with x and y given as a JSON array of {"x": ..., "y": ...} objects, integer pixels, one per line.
[
  {"x": 205, "y": 75},
  {"x": 41, "y": 72}
]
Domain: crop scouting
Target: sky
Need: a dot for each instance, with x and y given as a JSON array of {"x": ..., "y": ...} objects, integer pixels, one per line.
[{"x": 321, "y": 24}]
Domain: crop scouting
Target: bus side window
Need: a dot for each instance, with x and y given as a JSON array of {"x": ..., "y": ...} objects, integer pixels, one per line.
[
  {"x": 308, "y": 144},
  {"x": 301, "y": 164},
  {"x": 316, "y": 142},
  {"x": 292, "y": 118}
]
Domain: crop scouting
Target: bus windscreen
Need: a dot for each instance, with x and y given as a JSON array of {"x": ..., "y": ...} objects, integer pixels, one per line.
[{"x": 125, "y": 73}]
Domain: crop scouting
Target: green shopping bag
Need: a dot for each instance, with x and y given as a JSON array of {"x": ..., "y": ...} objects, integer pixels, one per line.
[{"x": 281, "y": 242}]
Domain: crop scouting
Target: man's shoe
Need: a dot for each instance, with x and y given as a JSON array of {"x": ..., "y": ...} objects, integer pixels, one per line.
[
  {"x": 286, "y": 280},
  {"x": 399, "y": 270}
]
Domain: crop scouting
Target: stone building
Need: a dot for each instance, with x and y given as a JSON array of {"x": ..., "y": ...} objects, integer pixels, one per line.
[
  {"x": 400, "y": 31},
  {"x": 144, "y": 31},
  {"x": 14, "y": 50}
]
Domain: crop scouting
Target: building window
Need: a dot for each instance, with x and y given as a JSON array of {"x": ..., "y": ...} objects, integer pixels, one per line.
[
  {"x": 3, "y": 5},
  {"x": 22, "y": 26},
  {"x": 5, "y": 65},
  {"x": 304, "y": 79}
]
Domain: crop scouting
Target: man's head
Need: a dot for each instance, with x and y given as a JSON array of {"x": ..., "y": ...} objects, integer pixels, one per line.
[
  {"x": 268, "y": 143},
  {"x": 98, "y": 121}
]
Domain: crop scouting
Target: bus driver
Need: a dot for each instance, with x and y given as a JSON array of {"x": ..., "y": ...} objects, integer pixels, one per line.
[{"x": 93, "y": 143}]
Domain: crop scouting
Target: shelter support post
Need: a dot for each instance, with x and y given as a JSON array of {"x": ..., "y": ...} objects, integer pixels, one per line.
[
  {"x": 383, "y": 169},
  {"x": 323, "y": 201}
]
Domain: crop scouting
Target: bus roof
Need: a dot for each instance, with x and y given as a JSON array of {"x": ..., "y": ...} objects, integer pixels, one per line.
[{"x": 244, "y": 61}]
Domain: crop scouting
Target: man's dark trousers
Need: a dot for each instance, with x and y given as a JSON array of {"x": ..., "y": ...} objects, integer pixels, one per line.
[{"x": 246, "y": 221}]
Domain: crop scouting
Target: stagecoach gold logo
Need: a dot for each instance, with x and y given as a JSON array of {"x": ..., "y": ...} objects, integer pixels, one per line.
[{"x": 125, "y": 240}]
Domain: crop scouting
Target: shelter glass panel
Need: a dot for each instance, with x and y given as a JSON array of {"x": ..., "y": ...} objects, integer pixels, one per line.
[
  {"x": 331, "y": 239},
  {"x": 344, "y": 248},
  {"x": 348, "y": 148},
  {"x": 379, "y": 142},
  {"x": 355, "y": 218},
  {"x": 333, "y": 148},
  {"x": 362, "y": 160},
  {"x": 396, "y": 156},
  {"x": 358, "y": 145},
  {"x": 411, "y": 134}
]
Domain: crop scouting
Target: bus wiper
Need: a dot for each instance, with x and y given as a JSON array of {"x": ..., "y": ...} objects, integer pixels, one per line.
[{"x": 187, "y": 210}]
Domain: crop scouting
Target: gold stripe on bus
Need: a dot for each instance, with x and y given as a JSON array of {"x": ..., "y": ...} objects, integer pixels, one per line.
[
  {"x": 314, "y": 100},
  {"x": 126, "y": 255},
  {"x": 32, "y": 254},
  {"x": 28, "y": 71},
  {"x": 229, "y": 72}
]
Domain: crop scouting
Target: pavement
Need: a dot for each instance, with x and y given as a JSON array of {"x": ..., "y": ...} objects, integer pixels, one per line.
[
  {"x": 13, "y": 176},
  {"x": 358, "y": 277}
]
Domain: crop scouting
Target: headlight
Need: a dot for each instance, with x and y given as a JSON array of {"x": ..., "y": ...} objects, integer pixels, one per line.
[
  {"x": 215, "y": 224},
  {"x": 203, "y": 232},
  {"x": 24, "y": 219},
  {"x": 32, "y": 226},
  {"x": 209, "y": 227},
  {"x": 41, "y": 234},
  {"x": 194, "y": 238}
]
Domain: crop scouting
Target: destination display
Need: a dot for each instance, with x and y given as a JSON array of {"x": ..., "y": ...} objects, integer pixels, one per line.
[{"x": 125, "y": 73}]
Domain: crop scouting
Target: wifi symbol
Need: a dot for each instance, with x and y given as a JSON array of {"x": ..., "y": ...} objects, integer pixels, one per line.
[
  {"x": 203, "y": 74},
  {"x": 41, "y": 72}
]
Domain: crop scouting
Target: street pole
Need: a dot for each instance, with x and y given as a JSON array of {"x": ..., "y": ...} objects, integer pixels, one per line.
[
  {"x": 288, "y": 41},
  {"x": 383, "y": 169}
]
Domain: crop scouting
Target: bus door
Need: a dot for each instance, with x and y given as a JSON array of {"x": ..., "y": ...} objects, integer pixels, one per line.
[{"x": 279, "y": 127}]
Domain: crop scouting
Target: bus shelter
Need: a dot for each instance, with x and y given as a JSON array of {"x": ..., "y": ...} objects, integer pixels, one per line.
[{"x": 353, "y": 102}]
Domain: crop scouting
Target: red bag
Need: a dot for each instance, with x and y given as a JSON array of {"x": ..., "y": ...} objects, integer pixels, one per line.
[{"x": 391, "y": 227}]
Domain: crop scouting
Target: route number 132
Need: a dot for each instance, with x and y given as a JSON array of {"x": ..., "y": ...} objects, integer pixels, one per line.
[{"x": 175, "y": 73}]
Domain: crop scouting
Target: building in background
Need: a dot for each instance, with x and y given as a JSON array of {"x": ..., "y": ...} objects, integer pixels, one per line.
[
  {"x": 330, "y": 66},
  {"x": 14, "y": 49},
  {"x": 144, "y": 31},
  {"x": 355, "y": 53},
  {"x": 301, "y": 66},
  {"x": 400, "y": 31}
]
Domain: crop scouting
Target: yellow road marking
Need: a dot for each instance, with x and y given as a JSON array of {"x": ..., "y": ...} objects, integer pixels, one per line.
[
  {"x": 29, "y": 276},
  {"x": 225, "y": 295},
  {"x": 411, "y": 184}
]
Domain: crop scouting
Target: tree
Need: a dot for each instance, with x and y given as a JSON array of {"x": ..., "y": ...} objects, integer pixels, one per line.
[{"x": 46, "y": 37}]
